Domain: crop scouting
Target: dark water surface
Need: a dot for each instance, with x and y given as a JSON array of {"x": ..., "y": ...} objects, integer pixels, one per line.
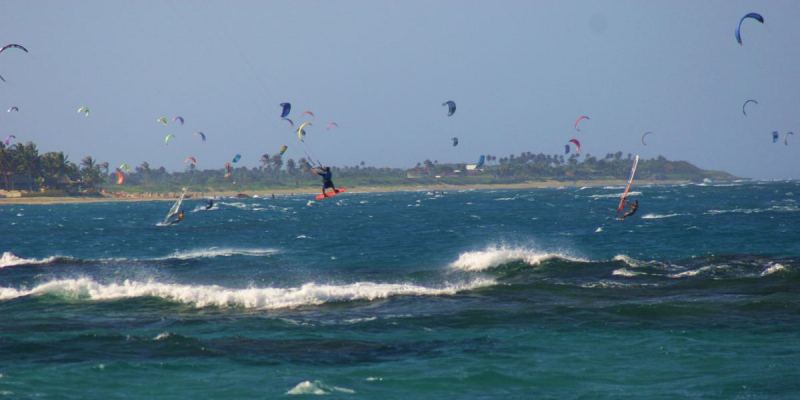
[{"x": 474, "y": 294}]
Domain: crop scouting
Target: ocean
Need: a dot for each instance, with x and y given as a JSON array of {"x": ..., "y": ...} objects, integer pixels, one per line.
[{"x": 469, "y": 294}]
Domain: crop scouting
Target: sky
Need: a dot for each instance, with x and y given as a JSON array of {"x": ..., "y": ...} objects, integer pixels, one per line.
[{"x": 520, "y": 72}]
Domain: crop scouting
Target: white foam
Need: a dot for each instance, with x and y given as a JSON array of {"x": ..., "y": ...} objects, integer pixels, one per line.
[
  {"x": 253, "y": 297},
  {"x": 212, "y": 252},
  {"x": 496, "y": 256},
  {"x": 626, "y": 272},
  {"x": 317, "y": 388},
  {"x": 773, "y": 268},
  {"x": 659, "y": 216},
  {"x": 755, "y": 210},
  {"x": 629, "y": 261},
  {"x": 695, "y": 272},
  {"x": 9, "y": 259},
  {"x": 162, "y": 336}
]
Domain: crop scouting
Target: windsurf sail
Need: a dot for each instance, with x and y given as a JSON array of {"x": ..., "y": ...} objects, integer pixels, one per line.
[
  {"x": 176, "y": 208},
  {"x": 622, "y": 198}
]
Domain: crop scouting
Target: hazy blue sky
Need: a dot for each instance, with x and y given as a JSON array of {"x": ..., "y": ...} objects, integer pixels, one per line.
[{"x": 520, "y": 71}]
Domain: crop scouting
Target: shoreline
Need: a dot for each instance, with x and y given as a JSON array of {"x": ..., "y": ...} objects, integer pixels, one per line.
[{"x": 120, "y": 197}]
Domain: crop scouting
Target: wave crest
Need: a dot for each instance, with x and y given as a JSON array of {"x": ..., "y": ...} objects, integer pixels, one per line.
[
  {"x": 9, "y": 259},
  {"x": 493, "y": 257},
  {"x": 309, "y": 294}
]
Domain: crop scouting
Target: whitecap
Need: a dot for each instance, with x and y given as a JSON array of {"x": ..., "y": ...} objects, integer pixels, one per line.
[
  {"x": 309, "y": 294},
  {"x": 492, "y": 257},
  {"x": 9, "y": 259},
  {"x": 213, "y": 252},
  {"x": 317, "y": 388}
]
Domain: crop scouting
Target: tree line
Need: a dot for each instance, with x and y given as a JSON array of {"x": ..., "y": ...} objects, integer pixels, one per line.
[{"x": 23, "y": 168}]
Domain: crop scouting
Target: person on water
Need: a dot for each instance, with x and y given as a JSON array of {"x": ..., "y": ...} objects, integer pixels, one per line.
[
  {"x": 210, "y": 204},
  {"x": 634, "y": 206},
  {"x": 327, "y": 175}
]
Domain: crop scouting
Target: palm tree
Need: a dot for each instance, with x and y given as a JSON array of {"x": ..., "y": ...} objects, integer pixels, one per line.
[
  {"x": 90, "y": 173},
  {"x": 277, "y": 163},
  {"x": 28, "y": 162},
  {"x": 265, "y": 161},
  {"x": 54, "y": 168}
]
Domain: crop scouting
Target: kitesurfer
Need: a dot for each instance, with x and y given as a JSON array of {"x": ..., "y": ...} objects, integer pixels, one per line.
[
  {"x": 210, "y": 204},
  {"x": 633, "y": 207},
  {"x": 327, "y": 175}
]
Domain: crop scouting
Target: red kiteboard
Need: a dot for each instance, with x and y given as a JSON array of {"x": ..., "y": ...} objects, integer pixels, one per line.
[{"x": 329, "y": 194}]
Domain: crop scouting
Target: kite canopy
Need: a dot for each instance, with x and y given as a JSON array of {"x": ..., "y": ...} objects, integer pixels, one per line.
[
  {"x": 283, "y": 149},
  {"x": 168, "y": 138},
  {"x": 301, "y": 133},
  {"x": 308, "y": 112},
  {"x": 285, "y": 109},
  {"x": 201, "y": 134},
  {"x": 645, "y": 135},
  {"x": 786, "y": 138},
  {"x": 481, "y": 160},
  {"x": 236, "y": 158},
  {"x": 8, "y": 139},
  {"x": 744, "y": 106},
  {"x": 775, "y": 136},
  {"x": 124, "y": 167},
  {"x": 577, "y": 145},
  {"x": 752, "y": 15},
  {"x": 190, "y": 160},
  {"x": 451, "y": 107},
  {"x": 178, "y": 119},
  {"x": 13, "y": 108},
  {"x": 578, "y": 122},
  {"x": 455, "y": 141},
  {"x": 162, "y": 120},
  {"x": 13, "y": 46},
  {"x": 566, "y": 149},
  {"x": 331, "y": 125},
  {"x": 84, "y": 110},
  {"x": 120, "y": 177}
]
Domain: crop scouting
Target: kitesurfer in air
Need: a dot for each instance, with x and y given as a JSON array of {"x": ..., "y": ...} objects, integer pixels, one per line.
[
  {"x": 633, "y": 207},
  {"x": 327, "y": 175}
]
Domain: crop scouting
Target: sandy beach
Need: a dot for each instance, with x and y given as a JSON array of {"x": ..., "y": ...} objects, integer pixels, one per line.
[{"x": 114, "y": 197}]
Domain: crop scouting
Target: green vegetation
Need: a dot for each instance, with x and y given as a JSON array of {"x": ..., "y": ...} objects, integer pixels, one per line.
[{"x": 23, "y": 168}]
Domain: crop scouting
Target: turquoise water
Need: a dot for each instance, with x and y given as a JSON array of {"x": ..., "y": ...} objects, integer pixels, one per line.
[{"x": 473, "y": 294}]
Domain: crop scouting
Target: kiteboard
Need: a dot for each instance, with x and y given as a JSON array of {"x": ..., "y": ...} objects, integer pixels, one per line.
[{"x": 329, "y": 194}]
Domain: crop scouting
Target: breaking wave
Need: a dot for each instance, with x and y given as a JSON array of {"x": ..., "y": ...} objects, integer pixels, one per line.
[
  {"x": 494, "y": 257},
  {"x": 309, "y": 294},
  {"x": 9, "y": 259}
]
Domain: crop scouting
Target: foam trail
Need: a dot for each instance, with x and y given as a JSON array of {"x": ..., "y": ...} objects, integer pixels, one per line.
[
  {"x": 493, "y": 257},
  {"x": 218, "y": 252},
  {"x": 255, "y": 298},
  {"x": 659, "y": 216}
]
